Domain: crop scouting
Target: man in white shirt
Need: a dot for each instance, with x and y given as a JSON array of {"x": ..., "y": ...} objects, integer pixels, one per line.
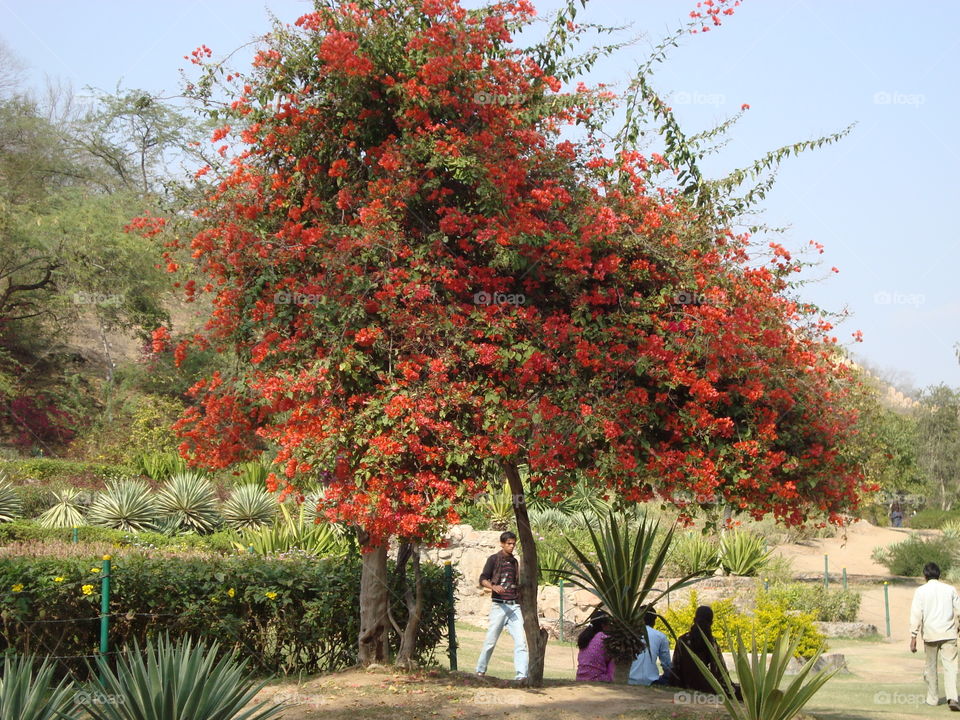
[
  {"x": 644, "y": 671},
  {"x": 934, "y": 615}
]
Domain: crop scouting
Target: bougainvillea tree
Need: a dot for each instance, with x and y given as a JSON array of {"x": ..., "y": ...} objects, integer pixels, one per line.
[{"x": 423, "y": 278}]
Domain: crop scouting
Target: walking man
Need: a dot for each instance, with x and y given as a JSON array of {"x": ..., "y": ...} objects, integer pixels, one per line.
[
  {"x": 501, "y": 574},
  {"x": 934, "y": 615}
]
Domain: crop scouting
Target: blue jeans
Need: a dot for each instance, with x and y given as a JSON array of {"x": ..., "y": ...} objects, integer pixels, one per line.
[{"x": 502, "y": 614}]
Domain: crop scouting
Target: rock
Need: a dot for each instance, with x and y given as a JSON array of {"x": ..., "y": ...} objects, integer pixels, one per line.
[
  {"x": 570, "y": 629},
  {"x": 846, "y": 629}
]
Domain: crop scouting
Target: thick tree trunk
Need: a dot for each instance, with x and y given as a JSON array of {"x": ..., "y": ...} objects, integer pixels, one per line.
[
  {"x": 374, "y": 599},
  {"x": 529, "y": 567}
]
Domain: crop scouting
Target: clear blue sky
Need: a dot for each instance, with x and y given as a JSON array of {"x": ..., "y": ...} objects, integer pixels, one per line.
[{"x": 880, "y": 201}]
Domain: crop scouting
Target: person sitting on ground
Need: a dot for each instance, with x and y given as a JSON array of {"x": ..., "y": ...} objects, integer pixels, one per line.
[
  {"x": 644, "y": 671},
  {"x": 684, "y": 672},
  {"x": 593, "y": 661}
]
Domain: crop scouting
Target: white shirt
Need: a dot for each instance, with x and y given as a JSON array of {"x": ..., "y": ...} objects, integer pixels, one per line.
[
  {"x": 644, "y": 671},
  {"x": 934, "y": 612}
]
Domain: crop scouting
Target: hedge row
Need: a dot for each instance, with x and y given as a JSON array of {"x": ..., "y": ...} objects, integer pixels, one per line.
[
  {"x": 28, "y": 531},
  {"x": 287, "y": 615}
]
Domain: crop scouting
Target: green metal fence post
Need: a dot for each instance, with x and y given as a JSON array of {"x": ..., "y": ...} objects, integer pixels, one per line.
[
  {"x": 886, "y": 604},
  {"x": 826, "y": 572},
  {"x": 844, "y": 578},
  {"x": 451, "y": 618},
  {"x": 766, "y": 584},
  {"x": 76, "y": 535},
  {"x": 105, "y": 607},
  {"x": 561, "y": 609}
]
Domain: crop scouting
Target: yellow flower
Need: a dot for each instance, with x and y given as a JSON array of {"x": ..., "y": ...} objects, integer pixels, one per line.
[
  {"x": 214, "y": 598},
  {"x": 18, "y": 587},
  {"x": 231, "y": 592},
  {"x": 58, "y": 579},
  {"x": 87, "y": 589},
  {"x": 271, "y": 595},
  {"x": 94, "y": 569}
]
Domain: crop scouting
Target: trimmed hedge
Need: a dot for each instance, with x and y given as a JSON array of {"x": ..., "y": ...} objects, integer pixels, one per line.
[
  {"x": 931, "y": 518},
  {"x": 70, "y": 472},
  {"x": 837, "y": 605},
  {"x": 286, "y": 615},
  {"x": 27, "y": 531}
]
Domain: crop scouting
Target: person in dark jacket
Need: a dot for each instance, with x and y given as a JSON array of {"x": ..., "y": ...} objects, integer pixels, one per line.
[
  {"x": 684, "y": 671},
  {"x": 501, "y": 575}
]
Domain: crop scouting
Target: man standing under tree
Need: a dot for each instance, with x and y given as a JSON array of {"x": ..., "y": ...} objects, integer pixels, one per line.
[
  {"x": 934, "y": 614},
  {"x": 501, "y": 574}
]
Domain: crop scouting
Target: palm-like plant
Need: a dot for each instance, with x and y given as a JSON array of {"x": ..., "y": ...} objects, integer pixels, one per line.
[
  {"x": 760, "y": 682},
  {"x": 10, "y": 505},
  {"x": 499, "y": 507},
  {"x": 249, "y": 507},
  {"x": 67, "y": 512},
  {"x": 178, "y": 680},
  {"x": 623, "y": 575},
  {"x": 25, "y": 695},
  {"x": 694, "y": 553},
  {"x": 290, "y": 533},
  {"x": 253, "y": 473},
  {"x": 160, "y": 466},
  {"x": 191, "y": 500},
  {"x": 125, "y": 505},
  {"x": 742, "y": 553}
]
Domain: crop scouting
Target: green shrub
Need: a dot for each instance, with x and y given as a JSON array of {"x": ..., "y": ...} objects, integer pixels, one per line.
[
  {"x": 931, "y": 518},
  {"x": 836, "y": 605},
  {"x": 286, "y": 615},
  {"x": 772, "y": 618},
  {"x": 49, "y": 471},
  {"x": 160, "y": 466},
  {"x": 908, "y": 557},
  {"x": 27, "y": 531}
]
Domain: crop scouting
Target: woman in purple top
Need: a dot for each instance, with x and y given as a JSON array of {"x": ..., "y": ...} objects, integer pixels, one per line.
[{"x": 594, "y": 662}]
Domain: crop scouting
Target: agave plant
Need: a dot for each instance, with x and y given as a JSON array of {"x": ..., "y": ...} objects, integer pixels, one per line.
[
  {"x": 10, "y": 505},
  {"x": 951, "y": 529},
  {"x": 249, "y": 507},
  {"x": 499, "y": 507},
  {"x": 125, "y": 505},
  {"x": 298, "y": 532},
  {"x": 67, "y": 512},
  {"x": 26, "y": 694},
  {"x": 178, "y": 680},
  {"x": 694, "y": 553},
  {"x": 761, "y": 680},
  {"x": 623, "y": 574},
  {"x": 742, "y": 553},
  {"x": 191, "y": 500}
]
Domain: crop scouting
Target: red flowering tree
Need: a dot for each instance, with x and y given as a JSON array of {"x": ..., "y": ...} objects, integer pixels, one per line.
[{"x": 424, "y": 282}]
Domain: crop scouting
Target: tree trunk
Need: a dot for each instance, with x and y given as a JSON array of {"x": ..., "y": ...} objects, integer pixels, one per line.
[
  {"x": 536, "y": 637},
  {"x": 414, "y": 599},
  {"x": 374, "y": 599}
]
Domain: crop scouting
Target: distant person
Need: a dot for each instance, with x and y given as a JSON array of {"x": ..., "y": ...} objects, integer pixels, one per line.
[
  {"x": 593, "y": 661},
  {"x": 501, "y": 575},
  {"x": 933, "y": 615},
  {"x": 644, "y": 670},
  {"x": 684, "y": 671},
  {"x": 896, "y": 513}
]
